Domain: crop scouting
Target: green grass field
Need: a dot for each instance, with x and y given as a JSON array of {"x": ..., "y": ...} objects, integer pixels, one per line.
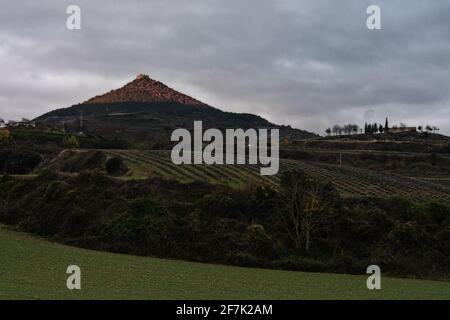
[{"x": 34, "y": 268}]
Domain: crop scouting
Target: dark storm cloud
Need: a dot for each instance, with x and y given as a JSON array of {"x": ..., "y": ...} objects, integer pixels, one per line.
[{"x": 309, "y": 63}]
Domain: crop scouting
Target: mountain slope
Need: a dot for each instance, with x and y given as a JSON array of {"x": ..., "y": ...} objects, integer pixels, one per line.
[
  {"x": 144, "y": 89},
  {"x": 147, "y": 109}
]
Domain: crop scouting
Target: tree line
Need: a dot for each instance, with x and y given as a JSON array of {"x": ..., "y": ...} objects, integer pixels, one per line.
[{"x": 373, "y": 128}]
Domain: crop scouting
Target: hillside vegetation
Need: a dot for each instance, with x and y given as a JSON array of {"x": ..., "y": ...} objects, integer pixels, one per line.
[
  {"x": 33, "y": 268},
  {"x": 249, "y": 226},
  {"x": 349, "y": 181}
]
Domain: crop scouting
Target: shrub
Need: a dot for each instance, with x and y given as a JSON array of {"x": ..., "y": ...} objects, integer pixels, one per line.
[
  {"x": 18, "y": 161},
  {"x": 246, "y": 260},
  {"x": 5, "y": 134},
  {"x": 82, "y": 161},
  {"x": 308, "y": 264},
  {"x": 139, "y": 230},
  {"x": 115, "y": 166},
  {"x": 257, "y": 241},
  {"x": 72, "y": 142}
]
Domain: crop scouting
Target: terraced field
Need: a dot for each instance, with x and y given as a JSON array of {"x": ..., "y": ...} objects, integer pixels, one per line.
[
  {"x": 145, "y": 163},
  {"x": 349, "y": 181},
  {"x": 364, "y": 182}
]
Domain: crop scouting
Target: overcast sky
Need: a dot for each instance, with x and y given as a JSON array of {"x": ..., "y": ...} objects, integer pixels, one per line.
[{"x": 307, "y": 63}]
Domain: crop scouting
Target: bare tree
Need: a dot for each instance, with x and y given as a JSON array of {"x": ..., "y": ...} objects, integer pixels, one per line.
[
  {"x": 336, "y": 129},
  {"x": 291, "y": 219},
  {"x": 303, "y": 207},
  {"x": 311, "y": 208}
]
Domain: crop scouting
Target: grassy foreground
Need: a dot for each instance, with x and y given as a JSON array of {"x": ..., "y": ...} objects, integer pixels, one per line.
[{"x": 33, "y": 268}]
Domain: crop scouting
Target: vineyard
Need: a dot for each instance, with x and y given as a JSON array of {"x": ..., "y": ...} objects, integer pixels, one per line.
[
  {"x": 350, "y": 181},
  {"x": 145, "y": 163}
]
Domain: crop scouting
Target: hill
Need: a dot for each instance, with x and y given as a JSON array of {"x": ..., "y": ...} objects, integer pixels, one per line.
[
  {"x": 144, "y": 89},
  {"x": 350, "y": 181},
  {"x": 34, "y": 268},
  {"x": 146, "y": 111}
]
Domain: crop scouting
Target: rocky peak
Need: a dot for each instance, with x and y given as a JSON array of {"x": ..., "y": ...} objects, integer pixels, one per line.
[
  {"x": 145, "y": 89},
  {"x": 142, "y": 76}
]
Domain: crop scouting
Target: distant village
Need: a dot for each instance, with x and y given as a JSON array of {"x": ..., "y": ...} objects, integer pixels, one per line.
[
  {"x": 5, "y": 127},
  {"x": 24, "y": 123},
  {"x": 375, "y": 128}
]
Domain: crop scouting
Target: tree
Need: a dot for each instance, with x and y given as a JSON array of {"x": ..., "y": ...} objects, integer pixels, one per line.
[
  {"x": 420, "y": 128},
  {"x": 306, "y": 203},
  {"x": 375, "y": 128},
  {"x": 72, "y": 142},
  {"x": 336, "y": 129},
  {"x": 347, "y": 129},
  {"x": 380, "y": 128},
  {"x": 428, "y": 128},
  {"x": 18, "y": 160},
  {"x": 435, "y": 129},
  {"x": 328, "y": 131},
  {"x": 386, "y": 125},
  {"x": 5, "y": 134}
]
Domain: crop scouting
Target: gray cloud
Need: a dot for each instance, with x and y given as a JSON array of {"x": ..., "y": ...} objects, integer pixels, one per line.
[{"x": 309, "y": 63}]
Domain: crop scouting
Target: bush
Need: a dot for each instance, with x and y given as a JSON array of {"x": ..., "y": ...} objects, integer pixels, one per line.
[
  {"x": 306, "y": 264},
  {"x": 18, "y": 161},
  {"x": 245, "y": 259},
  {"x": 115, "y": 166},
  {"x": 72, "y": 142},
  {"x": 82, "y": 161},
  {"x": 257, "y": 241},
  {"x": 139, "y": 230},
  {"x": 5, "y": 134}
]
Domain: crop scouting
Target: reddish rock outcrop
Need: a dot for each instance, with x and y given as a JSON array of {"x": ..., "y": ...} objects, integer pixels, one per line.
[{"x": 145, "y": 89}]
